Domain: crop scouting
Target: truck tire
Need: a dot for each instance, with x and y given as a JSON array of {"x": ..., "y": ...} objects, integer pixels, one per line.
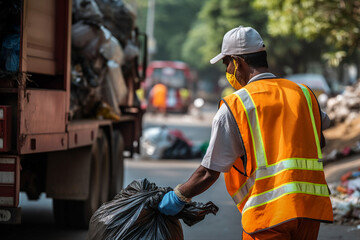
[
  {"x": 76, "y": 213},
  {"x": 117, "y": 169}
]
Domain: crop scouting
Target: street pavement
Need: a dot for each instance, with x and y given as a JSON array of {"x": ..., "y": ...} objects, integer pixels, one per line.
[
  {"x": 226, "y": 224},
  {"x": 38, "y": 224}
]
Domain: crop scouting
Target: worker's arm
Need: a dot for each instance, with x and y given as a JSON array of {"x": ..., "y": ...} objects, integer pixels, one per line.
[
  {"x": 174, "y": 201},
  {"x": 224, "y": 148},
  {"x": 199, "y": 182}
]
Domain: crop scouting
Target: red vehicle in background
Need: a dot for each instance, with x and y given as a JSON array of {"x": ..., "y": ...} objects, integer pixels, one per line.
[{"x": 176, "y": 76}]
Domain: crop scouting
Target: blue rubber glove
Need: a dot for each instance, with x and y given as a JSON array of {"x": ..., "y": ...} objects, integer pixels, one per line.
[{"x": 171, "y": 204}]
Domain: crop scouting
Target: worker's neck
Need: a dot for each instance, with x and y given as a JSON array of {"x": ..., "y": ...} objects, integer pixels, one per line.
[{"x": 257, "y": 71}]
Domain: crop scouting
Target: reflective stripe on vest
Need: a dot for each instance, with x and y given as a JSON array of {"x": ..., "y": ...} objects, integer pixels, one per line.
[
  {"x": 265, "y": 171},
  {"x": 240, "y": 194},
  {"x": 308, "y": 99},
  {"x": 274, "y": 169},
  {"x": 288, "y": 188},
  {"x": 253, "y": 120}
]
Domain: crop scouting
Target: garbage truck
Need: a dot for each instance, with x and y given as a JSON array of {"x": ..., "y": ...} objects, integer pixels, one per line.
[{"x": 68, "y": 108}]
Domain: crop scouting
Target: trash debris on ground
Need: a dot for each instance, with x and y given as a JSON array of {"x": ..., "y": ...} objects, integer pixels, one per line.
[
  {"x": 133, "y": 214},
  {"x": 345, "y": 199},
  {"x": 165, "y": 143},
  {"x": 343, "y": 136},
  {"x": 342, "y": 140},
  {"x": 100, "y": 58}
]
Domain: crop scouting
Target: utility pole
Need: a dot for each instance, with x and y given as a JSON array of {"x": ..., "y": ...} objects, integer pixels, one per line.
[{"x": 150, "y": 28}]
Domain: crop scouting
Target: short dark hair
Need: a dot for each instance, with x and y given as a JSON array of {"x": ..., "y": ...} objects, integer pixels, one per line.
[{"x": 255, "y": 60}]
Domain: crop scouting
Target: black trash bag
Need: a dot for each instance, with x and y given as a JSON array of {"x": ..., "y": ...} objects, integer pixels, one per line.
[
  {"x": 195, "y": 212},
  {"x": 10, "y": 50},
  {"x": 118, "y": 18},
  {"x": 133, "y": 214},
  {"x": 179, "y": 150}
]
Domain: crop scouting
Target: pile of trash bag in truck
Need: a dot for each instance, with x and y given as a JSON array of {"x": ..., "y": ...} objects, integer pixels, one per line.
[
  {"x": 9, "y": 36},
  {"x": 103, "y": 53}
]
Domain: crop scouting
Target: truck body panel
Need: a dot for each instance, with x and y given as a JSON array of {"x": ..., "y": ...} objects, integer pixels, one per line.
[
  {"x": 43, "y": 111},
  {"x": 75, "y": 162}
]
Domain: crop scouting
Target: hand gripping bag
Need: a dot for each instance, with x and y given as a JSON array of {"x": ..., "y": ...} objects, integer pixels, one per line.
[{"x": 133, "y": 214}]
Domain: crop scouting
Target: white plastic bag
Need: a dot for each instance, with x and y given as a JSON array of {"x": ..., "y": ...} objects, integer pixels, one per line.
[
  {"x": 116, "y": 79},
  {"x": 111, "y": 50},
  {"x": 114, "y": 89}
]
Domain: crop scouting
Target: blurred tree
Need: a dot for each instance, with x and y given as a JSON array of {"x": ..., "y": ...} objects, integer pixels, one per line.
[
  {"x": 173, "y": 19},
  {"x": 297, "y": 33},
  {"x": 286, "y": 54},
  {"x": 336, "y": 21},
  {"x": 204, "y": 40}
]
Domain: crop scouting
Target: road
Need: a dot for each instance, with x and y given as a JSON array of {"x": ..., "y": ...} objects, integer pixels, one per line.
[{"x": 37, "y": 216}]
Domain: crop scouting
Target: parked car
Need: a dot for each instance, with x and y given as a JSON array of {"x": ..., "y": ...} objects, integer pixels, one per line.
[{"x": 316, "y": 82}]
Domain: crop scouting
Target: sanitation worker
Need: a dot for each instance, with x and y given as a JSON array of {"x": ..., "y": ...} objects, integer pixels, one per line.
[
  {"x": 158, "y": 97},
  {"x": 266, "y": 138}
]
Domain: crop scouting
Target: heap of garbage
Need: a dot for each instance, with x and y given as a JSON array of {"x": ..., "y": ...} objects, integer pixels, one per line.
[
  {"x": 345, "y": 199},
  {"x": 344, "y": 107},
  {"x": 164, "y": 143},
  {"x": 103, "y": 52},
  {"x": 343, "y": 137}
]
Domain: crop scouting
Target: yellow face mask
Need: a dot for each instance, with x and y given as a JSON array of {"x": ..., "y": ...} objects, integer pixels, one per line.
[{"x": 232, "y": 79}]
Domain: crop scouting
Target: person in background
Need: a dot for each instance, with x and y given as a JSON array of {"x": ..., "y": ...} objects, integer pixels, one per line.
[
  {"x": 266, "y": 138},
  {"x": 157, "y": 97}
]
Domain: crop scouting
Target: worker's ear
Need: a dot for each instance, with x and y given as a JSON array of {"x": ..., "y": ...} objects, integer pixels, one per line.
[{"x": 242, "y": 61}]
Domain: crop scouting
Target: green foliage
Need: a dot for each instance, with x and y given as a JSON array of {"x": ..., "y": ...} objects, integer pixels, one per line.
[
  {"x": 219, "y": 16},
  {"x": 173, "y": 20},
  {"x": 296, "y": 32},
  {"x": 336, "y": 22},
  {"x": 215, "y": 19},
  {"x": 192, "y": 48}
]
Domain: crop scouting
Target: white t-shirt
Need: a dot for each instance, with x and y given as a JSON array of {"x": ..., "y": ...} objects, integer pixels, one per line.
[{"x": 225, "y": 144}]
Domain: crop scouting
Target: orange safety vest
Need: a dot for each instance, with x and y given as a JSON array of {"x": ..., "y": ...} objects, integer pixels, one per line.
[{"x": 279, "y": 178}]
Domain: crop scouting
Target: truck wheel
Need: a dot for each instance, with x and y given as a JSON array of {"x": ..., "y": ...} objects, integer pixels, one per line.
[
  {"x": 117, "y": 170},
  {"x": 78, "y": 213}
]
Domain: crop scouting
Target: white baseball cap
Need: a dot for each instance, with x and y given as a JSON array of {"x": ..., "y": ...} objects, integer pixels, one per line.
[{"x": 240, "y": 40}]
